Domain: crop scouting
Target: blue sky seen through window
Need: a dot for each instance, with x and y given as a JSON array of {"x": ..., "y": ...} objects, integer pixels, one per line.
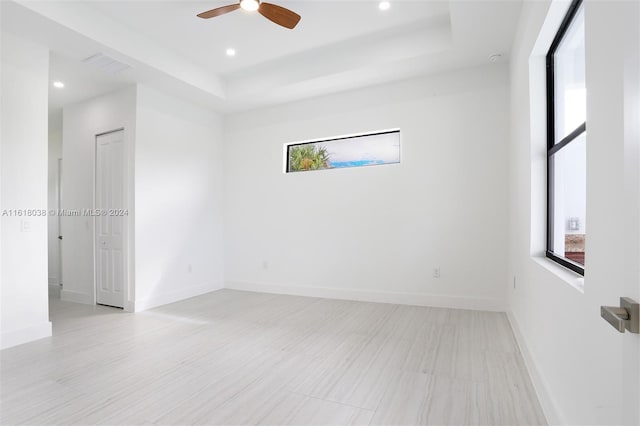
[{"x": 357, "y": 151}]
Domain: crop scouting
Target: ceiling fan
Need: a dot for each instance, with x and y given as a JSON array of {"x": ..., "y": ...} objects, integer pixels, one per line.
[{"x": 272, "y": 12}]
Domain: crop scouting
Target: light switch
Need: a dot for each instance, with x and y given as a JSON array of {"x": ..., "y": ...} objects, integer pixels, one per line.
[{"x": 25, "y": 225}]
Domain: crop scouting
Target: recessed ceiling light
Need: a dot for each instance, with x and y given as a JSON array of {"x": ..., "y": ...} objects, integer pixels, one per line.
[
  {"x": 250, "y": 5},
  {"x": 58, "y": 84},
  {"x": 384, "y": 5},
  {"x": 231, "y": 52}
]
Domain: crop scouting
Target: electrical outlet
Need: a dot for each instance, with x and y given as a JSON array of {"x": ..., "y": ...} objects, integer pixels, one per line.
[{"x": 436, "y": 272}]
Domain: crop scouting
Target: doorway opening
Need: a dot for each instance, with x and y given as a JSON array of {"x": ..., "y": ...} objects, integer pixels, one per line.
[{"x": 90, "y": 187}]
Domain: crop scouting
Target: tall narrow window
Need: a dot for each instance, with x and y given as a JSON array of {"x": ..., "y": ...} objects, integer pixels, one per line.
[{"x": 566, "y": 142}]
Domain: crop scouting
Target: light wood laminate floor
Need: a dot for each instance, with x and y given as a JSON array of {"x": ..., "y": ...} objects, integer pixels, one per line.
[{"x": 233, "y": 357}]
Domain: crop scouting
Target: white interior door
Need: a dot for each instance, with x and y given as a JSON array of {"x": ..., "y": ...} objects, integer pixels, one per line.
[
  {"x": 110, "y": 225},
  {"x": 615, "y": 270}
]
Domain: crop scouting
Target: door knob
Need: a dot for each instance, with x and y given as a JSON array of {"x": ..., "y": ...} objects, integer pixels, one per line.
[{"x": 624, "y": 317}]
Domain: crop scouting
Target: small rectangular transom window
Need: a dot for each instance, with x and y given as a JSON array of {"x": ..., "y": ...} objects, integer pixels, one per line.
[{"x": 345, "y": 151}]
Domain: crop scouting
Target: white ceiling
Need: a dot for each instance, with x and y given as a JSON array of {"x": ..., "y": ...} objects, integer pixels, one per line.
[
  {"x": 81, "y": 81},
  {"x": 338, "y": 45},
  {"x": 256, "y": 39}
]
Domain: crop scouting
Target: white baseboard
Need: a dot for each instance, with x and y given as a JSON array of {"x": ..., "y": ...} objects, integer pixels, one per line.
[
  {"x": 549, "y": 407},
  {"x": 442, "y": 301},
  {"x": 76, "y": 297},
  {"x": 175, "y": 296},
  {"x": 25, "y": 335}
]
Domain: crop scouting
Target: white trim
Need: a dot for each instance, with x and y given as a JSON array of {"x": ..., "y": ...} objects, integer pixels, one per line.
[
  {"x": 59, "y": 164},
  {"x": 176, "y": 296},
  {"x": 415, "y": 299},
  {"x": 76, "y": 297},
  {"x": 549, "y": 407},
  {"x": 25, "y": 335}
]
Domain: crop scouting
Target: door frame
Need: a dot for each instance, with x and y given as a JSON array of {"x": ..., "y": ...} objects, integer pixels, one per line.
[
  {"x": 127, "y": 225},
  {"x": 60, "y": 163}
]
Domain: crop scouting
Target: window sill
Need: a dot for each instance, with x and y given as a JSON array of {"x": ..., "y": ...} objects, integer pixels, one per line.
[{"x": 567, "y": 275}]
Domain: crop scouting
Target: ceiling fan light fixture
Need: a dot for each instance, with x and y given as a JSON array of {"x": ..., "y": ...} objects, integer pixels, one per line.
[
  {"x": 276, "y": 14},
  {"x": 250, "y": 5}
]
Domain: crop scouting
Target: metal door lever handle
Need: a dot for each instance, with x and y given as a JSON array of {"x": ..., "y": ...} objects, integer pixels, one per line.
[
  {"x": 615, "y": 316},
  {"x": 624, "y": 317}
]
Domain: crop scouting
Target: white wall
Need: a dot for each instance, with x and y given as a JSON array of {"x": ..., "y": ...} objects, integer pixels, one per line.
[
  {"x": 81, "y": 123},
  {"x": 376, "y": 233},
  {"x": 55, "y": 153},
  {"x": 178, "y": 186},
  {"x": 584, "y": 371},
  {"x": 24, "y": 308}
]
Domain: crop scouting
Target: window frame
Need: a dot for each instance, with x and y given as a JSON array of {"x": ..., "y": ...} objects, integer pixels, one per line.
[
  {"x": 553, "y": 147},
  {"x": 288, "y": 146}
]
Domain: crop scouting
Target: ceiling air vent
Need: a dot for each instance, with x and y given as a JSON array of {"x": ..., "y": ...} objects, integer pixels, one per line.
[{"x": 106, "y": 63}]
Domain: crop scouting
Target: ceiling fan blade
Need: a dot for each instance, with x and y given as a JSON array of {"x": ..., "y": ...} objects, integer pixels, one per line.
[
  {"x": 219, "y": 11},
  {"x": 279, "y": 15}
]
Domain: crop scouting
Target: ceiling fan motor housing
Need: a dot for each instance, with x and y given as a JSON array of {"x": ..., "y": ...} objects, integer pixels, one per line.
[{"x": 250, "y": 5}]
